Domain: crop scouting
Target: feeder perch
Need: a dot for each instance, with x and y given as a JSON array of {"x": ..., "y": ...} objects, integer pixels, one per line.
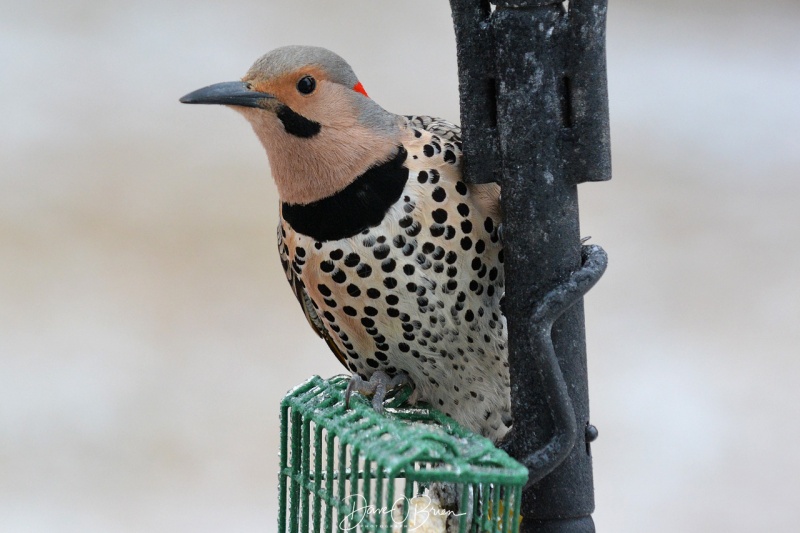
[{"x": 355, "y": 470}]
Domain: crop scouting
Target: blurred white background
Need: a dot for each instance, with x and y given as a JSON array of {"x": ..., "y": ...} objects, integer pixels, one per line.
[{"x": 147, "y": 333}]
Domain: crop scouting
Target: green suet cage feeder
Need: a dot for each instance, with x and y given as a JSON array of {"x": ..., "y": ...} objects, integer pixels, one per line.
[{"x": 410, "y": 469}]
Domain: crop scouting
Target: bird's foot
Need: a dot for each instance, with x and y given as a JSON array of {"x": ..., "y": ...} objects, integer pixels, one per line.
[{"x": 378, "y": 385}]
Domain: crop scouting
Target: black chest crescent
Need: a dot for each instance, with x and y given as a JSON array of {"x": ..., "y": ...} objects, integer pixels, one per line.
[{"x": 359, "y": 206}]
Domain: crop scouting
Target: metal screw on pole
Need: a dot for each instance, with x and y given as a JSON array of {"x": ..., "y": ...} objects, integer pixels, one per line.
[{"x": 534, "y": 114}]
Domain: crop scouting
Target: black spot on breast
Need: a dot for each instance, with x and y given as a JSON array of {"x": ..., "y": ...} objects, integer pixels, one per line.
[
  {"x": 336, "y": 254},
  {"x": 381, "y": 251},
  {"x": 349, "y": 310},
  {"x": 466, "y": 243},
  {"x": 427, "y": 150},
  {"x": 450, "y": 258},
  {"x": 408, "y": 269},
  {"x": 329, "y": 316},
  {"x": 392, "y": 299},
  {"x": 367, "y": 322},
  {"x": 428, "y": 247},
  {"x": 390, "y": 283},
  {"x": 414, "y": 230},
  {"x": 399, "y": 241},
  {"x": 480, "y": 246},
  {"x": 388, "y": 265},
  {"x": 327, "y": 266},
  {"x": 393, "y": 312},
  {"x": 352, "y": 260},
  {"x": 437, "y": 230},
  {"x": 373, "y": 293},
  {"x": 450, "y": 233},
  {"x": 405, "y": 222},
  {"x": 439, "y": 215},
  {"x": 439, "y": 194},
  {"x": 363, "y": 270},
  {"x": 422, "y": 177},
  {"x": 411, "y": 287},
  {"x": 323, "y": 289},
  {"x": 353, "y": 290},
  {"x": 339, "y": 276},
  {"x": 370, "y": 311},
  {"x": 466, "y": 226},
  {"x": 449, "y": 157},
  {"x": 372, "y": 362}
]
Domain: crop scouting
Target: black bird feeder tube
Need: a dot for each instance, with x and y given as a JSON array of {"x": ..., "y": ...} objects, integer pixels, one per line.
[{"x": 534, "y": 113}]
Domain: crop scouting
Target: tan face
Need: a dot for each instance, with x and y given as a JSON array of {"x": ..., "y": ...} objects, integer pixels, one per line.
[
  {"x": 309, "y": 168},
  {"x": 285, "y": 88}
]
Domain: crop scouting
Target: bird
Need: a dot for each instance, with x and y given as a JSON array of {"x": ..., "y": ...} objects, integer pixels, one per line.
[{"x": 396, "y": 262}]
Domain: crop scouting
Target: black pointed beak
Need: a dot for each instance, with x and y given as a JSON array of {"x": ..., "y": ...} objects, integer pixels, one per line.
[{"x": 228, "y": 93}]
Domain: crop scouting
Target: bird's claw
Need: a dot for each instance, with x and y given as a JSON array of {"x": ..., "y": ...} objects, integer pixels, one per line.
[{"x": 377, "y": 386}]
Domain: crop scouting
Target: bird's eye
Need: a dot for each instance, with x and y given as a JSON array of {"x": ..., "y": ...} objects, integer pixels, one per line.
[{"x": 306, "y": 85}]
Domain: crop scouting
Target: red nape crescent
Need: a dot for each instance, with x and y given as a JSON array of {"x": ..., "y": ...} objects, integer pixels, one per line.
[{"x": 360, "y": 89}]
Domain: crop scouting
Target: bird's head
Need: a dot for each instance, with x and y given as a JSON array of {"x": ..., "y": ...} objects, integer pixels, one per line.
[{"x": 314, "y": 118}]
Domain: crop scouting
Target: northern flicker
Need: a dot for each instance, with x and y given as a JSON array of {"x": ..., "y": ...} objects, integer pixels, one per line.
[{"x": 396, "y": 262}]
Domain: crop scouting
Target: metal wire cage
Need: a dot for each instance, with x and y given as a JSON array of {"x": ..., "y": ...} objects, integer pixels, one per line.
[{"x": 411, "y": 469}]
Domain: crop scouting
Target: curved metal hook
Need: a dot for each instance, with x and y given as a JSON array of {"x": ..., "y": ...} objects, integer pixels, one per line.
[{"x": 544, "y": 460}]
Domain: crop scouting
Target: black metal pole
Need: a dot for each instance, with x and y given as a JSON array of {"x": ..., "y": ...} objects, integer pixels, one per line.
[{"x": 534, "y": 112}]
